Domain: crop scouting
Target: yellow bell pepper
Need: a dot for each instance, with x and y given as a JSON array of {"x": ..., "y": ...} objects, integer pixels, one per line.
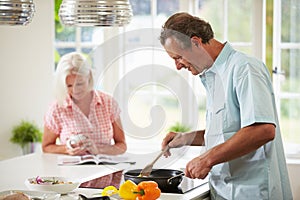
[
  {"x": 127, "y": 190},
  {"x": 109, "y": 190}
]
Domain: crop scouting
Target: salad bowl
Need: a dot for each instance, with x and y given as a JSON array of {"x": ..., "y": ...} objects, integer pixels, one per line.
[{"x": 60, "y": 185}]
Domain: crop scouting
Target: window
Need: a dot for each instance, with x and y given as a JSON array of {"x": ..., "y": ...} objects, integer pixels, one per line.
[
  {"x": 246, "y": 33},
  {"x": 69, "y": 39},
  {"x": 286, "y": 70},
  {"x": 136, "y": 70}
]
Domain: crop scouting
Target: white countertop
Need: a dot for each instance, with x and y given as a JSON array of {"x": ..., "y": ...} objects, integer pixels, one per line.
[{"x": 15, "y": 171}]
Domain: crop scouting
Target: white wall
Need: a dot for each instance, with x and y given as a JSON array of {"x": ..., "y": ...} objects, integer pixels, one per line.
[
  {"x": 26, "y": 63},
  {"x": 294, "y": 174}
]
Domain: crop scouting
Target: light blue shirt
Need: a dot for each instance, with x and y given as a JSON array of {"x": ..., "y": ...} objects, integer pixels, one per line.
[{"x": 239, "y": 93}]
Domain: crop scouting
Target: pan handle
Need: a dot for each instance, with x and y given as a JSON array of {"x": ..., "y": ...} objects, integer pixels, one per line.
[{"x": 169, "y": 181}]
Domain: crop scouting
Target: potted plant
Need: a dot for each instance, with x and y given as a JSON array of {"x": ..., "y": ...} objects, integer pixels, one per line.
[{"x": 26, "y": 134}]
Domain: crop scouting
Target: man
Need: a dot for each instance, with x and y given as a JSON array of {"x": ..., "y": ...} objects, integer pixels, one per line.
[{"x": 245, "y": 157}]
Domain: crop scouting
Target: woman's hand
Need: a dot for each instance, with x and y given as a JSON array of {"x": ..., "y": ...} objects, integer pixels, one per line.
[
  {"x": 81, "y": 147},
  {"x": 90, "y": 147},
  {"x": 76, "y": 151}
]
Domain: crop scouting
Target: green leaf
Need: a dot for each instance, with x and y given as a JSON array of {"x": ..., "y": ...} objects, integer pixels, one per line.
[
  {"x": 26, "y": 132},
  {"x": 178, "y": 127}
]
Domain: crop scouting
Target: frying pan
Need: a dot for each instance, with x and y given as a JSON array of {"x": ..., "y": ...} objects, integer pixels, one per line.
[{"x": 167, "y": 179}]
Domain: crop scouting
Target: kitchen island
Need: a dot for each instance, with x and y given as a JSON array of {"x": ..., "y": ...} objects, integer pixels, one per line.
[{"x": 16, "y": 170}]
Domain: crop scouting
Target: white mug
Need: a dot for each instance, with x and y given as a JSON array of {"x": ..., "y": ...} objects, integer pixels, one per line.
[{"x": 75, "y": 139}]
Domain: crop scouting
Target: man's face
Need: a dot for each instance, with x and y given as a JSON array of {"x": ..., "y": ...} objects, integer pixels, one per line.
[{"x": 192, "y": 59}]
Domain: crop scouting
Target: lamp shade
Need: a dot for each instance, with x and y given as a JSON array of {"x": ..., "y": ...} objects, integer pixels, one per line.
[
  {"x": 16, "y": 12},
  {"x": 95, "y": 12}
]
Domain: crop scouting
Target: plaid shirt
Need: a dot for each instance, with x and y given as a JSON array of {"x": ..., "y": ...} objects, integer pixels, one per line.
[{"x": 68, "y": 119}]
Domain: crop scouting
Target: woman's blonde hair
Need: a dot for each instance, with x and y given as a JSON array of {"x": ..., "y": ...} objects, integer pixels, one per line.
[{"x": 71, "y": 63}]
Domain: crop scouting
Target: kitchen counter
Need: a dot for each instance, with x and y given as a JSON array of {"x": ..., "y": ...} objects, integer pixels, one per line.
[{"x": 15, "y": 171}]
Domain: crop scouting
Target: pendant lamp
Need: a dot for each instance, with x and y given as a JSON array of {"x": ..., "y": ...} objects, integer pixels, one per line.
[
  {"x": 16, "y": 12},
  {"x": 95, "y": 12}
]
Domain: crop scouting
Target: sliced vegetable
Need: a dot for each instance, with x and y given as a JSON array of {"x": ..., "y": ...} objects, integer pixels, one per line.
[
  {"x": 109, "y": 191},
  {"x": 50, "y": 181},
  {"x": 39, "y": 180}
]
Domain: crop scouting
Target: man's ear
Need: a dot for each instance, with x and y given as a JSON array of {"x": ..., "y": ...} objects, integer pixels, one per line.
[{"x": 196, "y": 41}]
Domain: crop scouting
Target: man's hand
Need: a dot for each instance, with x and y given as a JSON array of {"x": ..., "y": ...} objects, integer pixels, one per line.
[
  {"x": 173, "y": 140},
  {"x": 199, "y": 167}
]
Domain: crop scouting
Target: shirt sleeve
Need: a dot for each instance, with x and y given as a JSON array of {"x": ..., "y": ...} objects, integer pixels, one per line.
[
  {"x": 51, "y": 119},
  {"x": 255, "y": 96},
  {"x": 115, "y": 110},
  {"x": 111, "y": 106}
]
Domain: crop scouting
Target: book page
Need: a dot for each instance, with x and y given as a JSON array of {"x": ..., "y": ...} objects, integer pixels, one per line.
[
  {"x": 77, "y": 160},
  {"x": 105, "y": 159},
  {"x": 68, "y": 160},
  {"x": 89, "y": 157},
  {"x": 92, "y": 159}
]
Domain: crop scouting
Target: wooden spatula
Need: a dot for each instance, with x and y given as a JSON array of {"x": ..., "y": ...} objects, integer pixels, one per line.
[{"x": 148, "y": 169}]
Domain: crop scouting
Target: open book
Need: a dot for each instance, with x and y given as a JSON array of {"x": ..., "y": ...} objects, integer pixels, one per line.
[{"x": 93, "y": 159}]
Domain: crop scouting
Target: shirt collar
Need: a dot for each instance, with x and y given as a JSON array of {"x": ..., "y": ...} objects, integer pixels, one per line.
[
  {"x": 68, "y": 102},
  {"x": 224, "y": 54},
  {"x": 219, "y": 64},
  {"x": 96, "y": 100}
]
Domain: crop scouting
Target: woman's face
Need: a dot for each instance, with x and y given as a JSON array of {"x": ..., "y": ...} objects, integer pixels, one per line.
[{"x": 77, "y": 86}]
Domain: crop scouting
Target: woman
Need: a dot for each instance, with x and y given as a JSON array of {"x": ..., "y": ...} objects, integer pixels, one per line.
[{"x": 81, "y": 110}]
